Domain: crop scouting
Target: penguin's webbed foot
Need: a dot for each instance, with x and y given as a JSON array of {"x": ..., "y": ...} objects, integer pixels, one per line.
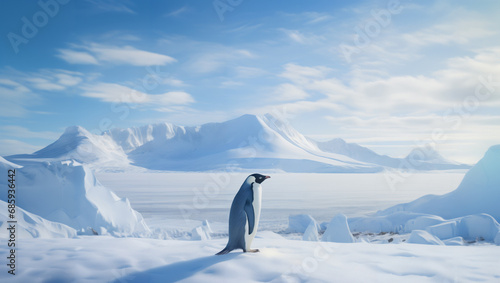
[{"x": 253, "y": 251}]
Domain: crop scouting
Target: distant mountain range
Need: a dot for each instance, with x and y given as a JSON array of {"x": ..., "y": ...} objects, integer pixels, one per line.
[{"x": 246, "y": 143}]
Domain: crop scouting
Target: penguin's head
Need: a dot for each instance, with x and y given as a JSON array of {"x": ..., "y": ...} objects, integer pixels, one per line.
[{"x": 259, "y": 178}]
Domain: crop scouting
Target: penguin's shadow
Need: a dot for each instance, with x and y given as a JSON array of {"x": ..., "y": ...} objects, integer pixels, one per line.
[{"x": 176, "y": 271}]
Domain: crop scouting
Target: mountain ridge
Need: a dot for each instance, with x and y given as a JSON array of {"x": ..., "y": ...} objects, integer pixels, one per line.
[{"x": 248, "y": 142}]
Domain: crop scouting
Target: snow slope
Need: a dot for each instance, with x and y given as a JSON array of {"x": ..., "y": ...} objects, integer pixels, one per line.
[
  {"x": 68, "y": 192},
  {"x": 479, "y": 192},
  {"x": 246, "y": 143}
]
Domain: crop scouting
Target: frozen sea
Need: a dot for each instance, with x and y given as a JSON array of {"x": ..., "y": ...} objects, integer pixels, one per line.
[{"x": 172, "y": 200}]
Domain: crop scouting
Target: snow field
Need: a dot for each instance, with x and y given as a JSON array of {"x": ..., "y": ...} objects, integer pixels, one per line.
[{"x": 109, "y": 259}]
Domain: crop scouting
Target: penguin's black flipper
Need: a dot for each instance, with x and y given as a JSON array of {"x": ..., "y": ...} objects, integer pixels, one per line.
[{"x": 250, "y": 216}]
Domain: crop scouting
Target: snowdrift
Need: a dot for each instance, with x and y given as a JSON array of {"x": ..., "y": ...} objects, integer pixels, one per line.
[
  {"x": 30, "y": 225},
  {"x": 67, "y": 192},
  {"x": 246, "y": 143}
]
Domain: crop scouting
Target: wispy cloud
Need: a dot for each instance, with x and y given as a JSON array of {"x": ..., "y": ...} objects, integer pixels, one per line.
[
  {"x": 48, "y": 79},
  {"x": 115, "y": 93},
  {"x": 94, "y": 53},
  {"x": 458, "y": 32},
  {"x": 244, "y": 28},
  {"x": 212, "y": 61},
  {"x": 302, "y": 38},
  {"x": 112, "y": 6},
  {"x": 249, "y": 72},
  {"x": 21, "y": 132},
  {"x": 16, "y": 99},
  {"x": 76, "y": 57},
  {"x": 10, "y": 147},
  {"x": 287, "y": 92},
  {"x": 21, "y": 90},
  {"x": 177, "y": 12},
  {"x": 395, "y": 95}
]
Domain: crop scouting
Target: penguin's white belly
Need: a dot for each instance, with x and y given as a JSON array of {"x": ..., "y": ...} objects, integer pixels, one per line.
[{"x": 257, "y": 201}]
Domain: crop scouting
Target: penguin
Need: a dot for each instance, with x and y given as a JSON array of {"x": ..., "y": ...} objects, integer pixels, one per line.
[{"x": 245, "y": 214}]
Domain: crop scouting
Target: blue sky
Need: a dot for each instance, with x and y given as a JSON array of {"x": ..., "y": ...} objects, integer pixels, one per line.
[{"x": 390, "y": 75}]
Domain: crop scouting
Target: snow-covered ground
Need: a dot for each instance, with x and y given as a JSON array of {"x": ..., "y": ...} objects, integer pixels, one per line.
[
  {"x": 185, "y": 223},
  {"x": 108, "y": 259},
  {"x": 174, "y": 203}
]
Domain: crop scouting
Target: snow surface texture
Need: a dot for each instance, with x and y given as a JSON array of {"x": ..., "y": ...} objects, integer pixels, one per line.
[
  {"x": 245, "y": 143},
  {"x": 68, "y": 192},
  {"x": 109, "y": 259}
]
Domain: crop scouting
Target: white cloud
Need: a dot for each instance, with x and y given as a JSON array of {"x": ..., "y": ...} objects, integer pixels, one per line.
[
  {"x": 111, "y": 6},
  {"x": 300, "y": 37},
  {"x": 21, "y": 132},
  {"x": 230, "y": 84},
  {"x": 287, "y": 92},
  {"x": 461, "y": 100},
  {"x": 121, "y": 55},
  {"x": 11, "y": 147},
  {"x": 45, "y": 79},
  {"x": 67, "y": 80},
  {"x": 217, "y": 59},
  {"x": 76, "y": 57},
  {"x": 16, "y": 86},
  {"x": 177, "y": 12},
  {"x": 16, "y": 99},
  {"x": 309, "y": 18},
  {"x": 172, "y": 98},
  {"x": 115, "y": 93},
  {"x": 453, "y": 86},
  {"x": 44, "y": 84},
  {"x": 249, "y": 72},
  {"x": 303, "y": 74},
  {"x": 455, "y": 31},
  {"x": 13, "y": 105},
  {"x": 128, "y": 55},
  {"x": 316, "y": 17},
  {"x": 173, "y": 82}
]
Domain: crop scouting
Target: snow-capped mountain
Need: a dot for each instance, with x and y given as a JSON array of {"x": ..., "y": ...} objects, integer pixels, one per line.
[
  {"x": 357, "y": 152},
  {"x": 246, "y": 143},
  {"x": 420, "y": 158},
  {"x": 79, "y": 144}
]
